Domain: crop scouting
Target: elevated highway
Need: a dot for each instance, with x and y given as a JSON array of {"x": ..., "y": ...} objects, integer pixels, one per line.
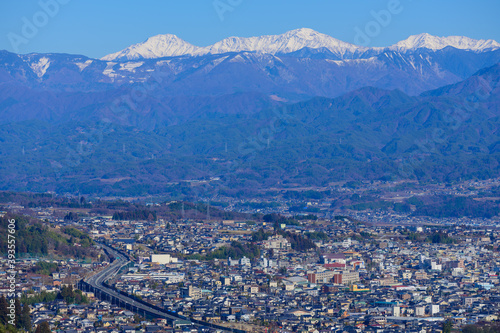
[{"x": 97, "y": 284}]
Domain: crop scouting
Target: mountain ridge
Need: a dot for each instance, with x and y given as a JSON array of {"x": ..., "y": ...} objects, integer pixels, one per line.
[
  {"x": 291, "y": 41},
  {"x": 370, "y": 133}
]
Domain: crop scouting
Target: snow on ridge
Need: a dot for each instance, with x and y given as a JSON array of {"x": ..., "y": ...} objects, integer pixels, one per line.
[
  {"x": 288, "y": 42},
  {"x": 131, "y": 66},
  {"x": 155, "y": 47},
  {"x": 109, "y": 71},
  {"x": 40, "y": 67},
  {"x": 294, "y": 40},
  {"x": 437, "y": 43},
  {"x": 83, "y": 65},
  {"x": 170, "y": 45}
]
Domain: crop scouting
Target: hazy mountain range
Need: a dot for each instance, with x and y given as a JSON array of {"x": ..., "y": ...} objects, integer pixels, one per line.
[{"x": 163, "y": 111}]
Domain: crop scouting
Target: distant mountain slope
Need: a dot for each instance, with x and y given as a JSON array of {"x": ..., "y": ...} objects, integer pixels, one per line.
[
  {"x": 300, "y": 62},
  {"x": 483, "y": 85},
  {"x": 370, "y": 133},
  {"x": 179, "y": 117},
  {"x": 55, "y": 87}
]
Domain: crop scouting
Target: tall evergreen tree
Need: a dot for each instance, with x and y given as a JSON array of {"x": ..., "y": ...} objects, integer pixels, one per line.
[
  {"x": 43, "y": 328},
  {"x": 3, "y": 310},
  {"x": 25, "y": 318},
  {"x": 447, "y": 326},
  {"x": 68, "y": 294},
  {"x": 18, "y": 312}
]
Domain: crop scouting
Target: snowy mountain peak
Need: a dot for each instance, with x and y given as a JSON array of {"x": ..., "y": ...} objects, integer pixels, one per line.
[
  {"x": 303, "y": 33},
  {"x": 288, "y": 42},
  {"x": 155, "y": 47},
  {"x": 437, "y": 43},
  {"x": 291, "y": 41}
]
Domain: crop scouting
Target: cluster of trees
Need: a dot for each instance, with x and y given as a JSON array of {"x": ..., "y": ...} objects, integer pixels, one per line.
[
  {"x": 135, "y": 215},
  {"x": 67, "y": 293},
  {"x": 43, "y": 297},
  {"x": 43, "y": 200},
  {"x": 303, "y": 208},
  {"x": 73, "y": 296},
  {"x": 401, "y": 207},
  {"x": 304, "y": 195},
  {"x": 197, "y": 210},
  {"x": 43, "y": 327},
  {"x": 236, "y": 250},
  {"x": 353, "y": 184},
  {"x": 437, "y": 237},
  {"x": 343, "y": 218},
  {"x": 413, "y": 236},
  {"x": 373, "y": 205},
  {"x": 34, "y": 238},
  {"x": 71, "y": 216},
  {"x": 30, "y": 238},
  {"x": 317, "y": 235},
  {"x": 173, "y": 210},
  {"x": 362, "y": 236},
  {"x": 22, "y": 318},
  {"x": 108, "y": 207},
  {"x": 447, "y": 326},
  {"x": 440, "y": 238},
  {"x": 297, "y": 241},
  {"x": 260, "y": 235},
  {"x": 454, "y": 206},
  {"x": 306, "y": 217},
  {"x": 78, "y": 236},
  {"x": 259, "y": 205},
  {"x": 439, "y": 206},
  {"x": 277, "y": 219},
  {"x": 44, "y": 268},
  {"x": 482, "y": 328}
]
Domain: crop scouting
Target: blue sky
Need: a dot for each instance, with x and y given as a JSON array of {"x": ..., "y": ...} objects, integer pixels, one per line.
[{"x": 99, "y": 27}]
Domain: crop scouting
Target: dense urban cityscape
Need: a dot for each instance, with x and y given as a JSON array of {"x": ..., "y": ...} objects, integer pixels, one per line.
[
  {"x": 195, "y": 267},
  {"x": 280, "y": 166}
]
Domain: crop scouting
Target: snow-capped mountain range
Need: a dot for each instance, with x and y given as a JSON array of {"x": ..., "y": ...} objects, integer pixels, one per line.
[
  {"x": 170, "y": 45},
  {"x": 235, "y": 75},
  {"x": 437, "y": 43},
  {"x": 190, "y": 108}
]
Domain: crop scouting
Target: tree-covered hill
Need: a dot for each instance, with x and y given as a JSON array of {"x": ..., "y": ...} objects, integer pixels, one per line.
[
  {"x": 443, "y": 135},
  {"x": 33, "y": 238}
]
